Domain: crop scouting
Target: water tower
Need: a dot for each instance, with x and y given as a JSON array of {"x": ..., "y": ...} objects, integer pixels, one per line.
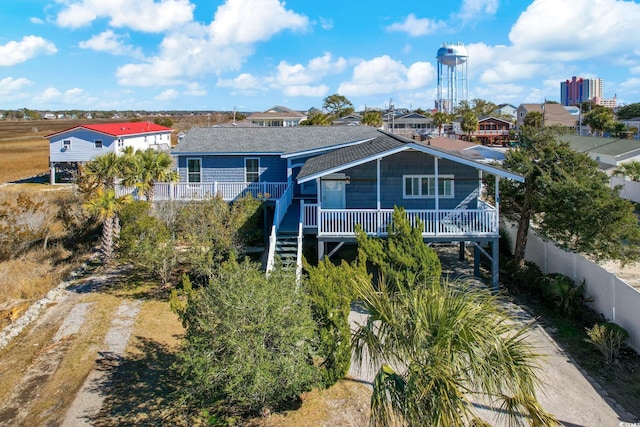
[{"x": 452, "y": 76}]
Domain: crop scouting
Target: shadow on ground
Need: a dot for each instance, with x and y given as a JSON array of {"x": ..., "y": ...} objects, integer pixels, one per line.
[{"x": 139, "y": 389}]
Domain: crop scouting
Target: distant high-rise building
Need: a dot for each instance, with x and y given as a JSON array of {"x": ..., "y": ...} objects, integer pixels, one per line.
[{"x": 579, "y": 90}]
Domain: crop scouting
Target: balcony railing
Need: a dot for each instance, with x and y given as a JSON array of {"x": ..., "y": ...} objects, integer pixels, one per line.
[
  {"x": 199, "y": 191},
  {"x": 451, "y": 222}
]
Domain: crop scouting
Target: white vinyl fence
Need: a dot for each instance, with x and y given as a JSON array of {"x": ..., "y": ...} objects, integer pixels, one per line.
[
  {"x": 615, "y": 299},
  {"x": 630, "y": 189}
]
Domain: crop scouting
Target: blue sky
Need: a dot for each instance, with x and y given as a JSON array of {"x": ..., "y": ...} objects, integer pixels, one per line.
[{"x": 254, "y": 54}]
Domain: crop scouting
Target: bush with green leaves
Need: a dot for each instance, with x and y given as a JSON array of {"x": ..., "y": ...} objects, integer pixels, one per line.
[
  {"x": 561, "y": 291},
  {"x": 249, "y": 342},
  {"x": 147, "y": 242},
  {"x": 607, "y": 338},
  {"x": 211, "y": 232},
  {"x": 330, "y": 294},
  {"x": 528, "y": 277},
  {"x": 402, "y": 256}
]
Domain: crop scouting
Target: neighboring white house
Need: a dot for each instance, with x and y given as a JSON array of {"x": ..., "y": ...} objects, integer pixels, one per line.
[
  {"x": 71, "y": 147},
  {"x": 609, "y": 152},
  {"x": 277, "y": 116}
]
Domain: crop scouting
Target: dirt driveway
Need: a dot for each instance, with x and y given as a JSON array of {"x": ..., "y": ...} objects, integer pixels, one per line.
[{"x": 99, "y": 356}]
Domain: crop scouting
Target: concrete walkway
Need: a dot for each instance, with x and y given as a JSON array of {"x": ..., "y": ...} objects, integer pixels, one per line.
[{"x": 569, "y": 394}]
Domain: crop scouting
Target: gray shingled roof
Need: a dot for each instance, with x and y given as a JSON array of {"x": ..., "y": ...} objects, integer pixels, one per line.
[
  {"x": 343, "y": 156},
  {"x": 277, "y": 140},
  {"x": 385, "y": 142}
]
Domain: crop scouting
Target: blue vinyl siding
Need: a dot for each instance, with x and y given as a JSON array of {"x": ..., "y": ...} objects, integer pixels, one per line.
[
  {"x": 361, "y": 189},
  {"x": 231, "y": 168},
  {"x": 82, "y": 146}
]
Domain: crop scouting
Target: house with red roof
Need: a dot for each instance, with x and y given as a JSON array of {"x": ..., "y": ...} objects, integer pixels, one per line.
[{"x": 74, "y": 146}]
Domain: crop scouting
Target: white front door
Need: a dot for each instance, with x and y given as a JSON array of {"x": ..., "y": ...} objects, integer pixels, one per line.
[{"x": 333, "y": 193}]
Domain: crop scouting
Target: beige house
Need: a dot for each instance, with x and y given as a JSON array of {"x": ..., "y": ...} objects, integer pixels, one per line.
[{"x": 553, "y": 114}]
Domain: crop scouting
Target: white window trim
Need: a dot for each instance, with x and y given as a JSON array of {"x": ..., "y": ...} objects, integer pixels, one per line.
[
  {"x": 245, "y": 168},
  {"x": 66, "y": 144},
  {"x": 95, "y": 143},
  {"x": 449, "y": 178},
  {"x": 199, "y": 159}
]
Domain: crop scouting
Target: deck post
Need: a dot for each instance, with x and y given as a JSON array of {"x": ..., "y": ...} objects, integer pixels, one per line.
[
  {"x": 215, "y": 188},
  {"x": 495, "y": 268},
  {"x": 320, "y": 250},
  {"x": 476, "y": 259},
  {"x": 461, "y": 251},
  {"x": 437, "y": 200},
  {"x": 52, "y": 174}
]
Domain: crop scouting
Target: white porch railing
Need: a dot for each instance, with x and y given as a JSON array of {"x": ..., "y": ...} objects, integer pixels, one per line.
[
  {"x": 199, "y": 191},
  {"x": 449, "y": 222}
]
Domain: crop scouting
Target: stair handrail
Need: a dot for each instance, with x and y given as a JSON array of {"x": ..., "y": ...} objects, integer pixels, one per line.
[
  {"x": 272, "y": 249},
  {"x": 299, "y": 252}
]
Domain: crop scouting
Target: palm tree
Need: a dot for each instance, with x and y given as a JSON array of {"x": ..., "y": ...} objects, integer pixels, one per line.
[
  {"x": 629, "y": 170},
  {"x": 128, "y": 167},
  {"x": 101, "y": 172},
  {"x": 153, "y": 166},
  {"x": 105, "y": 206},
  {"x": 469, "y": 123},
  {"x": 438, "y": 345},
  {"x": 439, "y": 119}
]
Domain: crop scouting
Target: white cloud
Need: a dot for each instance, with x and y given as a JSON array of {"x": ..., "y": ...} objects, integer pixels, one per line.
[
  {"x": 109, "y": 42},
  {"x": 326, "y": 23},
  {"x": 36, "y": 21},
  {"x": 250, "y": 21},
  {"x": 385, "y": 75},
  {"x": 140, "y": 15},
  {"x": 472, "y": 10},
  {"x": 195, "y": 89},
  {"x": 10, "y": 86},
  {"x": 167, "y": 95},
  {"x": 306, "y": 90},
  {"x": 416, "y": 26},
  {"x": 223, "y": 46},
  {"x": 71, "y": 98},
  {"x": 14, "y": 52},
  {"x": 570, "y": 30},
  {"x": 244, "y": 81},
  {"x": 316, "y": 68}
]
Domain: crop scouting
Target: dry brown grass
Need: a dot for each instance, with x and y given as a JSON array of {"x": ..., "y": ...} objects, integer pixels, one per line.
[
  {"x": 31, "y": 275},
  {"x": 24, "y": 150},
  {"x": 344, "y": 404}
]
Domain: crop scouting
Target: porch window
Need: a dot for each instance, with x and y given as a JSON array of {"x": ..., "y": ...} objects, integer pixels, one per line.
[
  {"x": 424, "y": 186},
  {"x": 251, "y": 170},
  {"x": 194, "y": 170},
  {"x": 97, "y": 144}
]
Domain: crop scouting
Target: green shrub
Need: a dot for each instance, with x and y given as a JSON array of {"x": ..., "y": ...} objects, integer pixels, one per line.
[
  {"x": 528, "y": 277},
  {"x": 329, "y": 290},
  {"x": 607, "y": 338},
  {"x": 402, "y": 257},
  {"x": 562, "y": 292},
  {"x": 248, "y": 343},
  {"x": 147, "y": 242}
]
